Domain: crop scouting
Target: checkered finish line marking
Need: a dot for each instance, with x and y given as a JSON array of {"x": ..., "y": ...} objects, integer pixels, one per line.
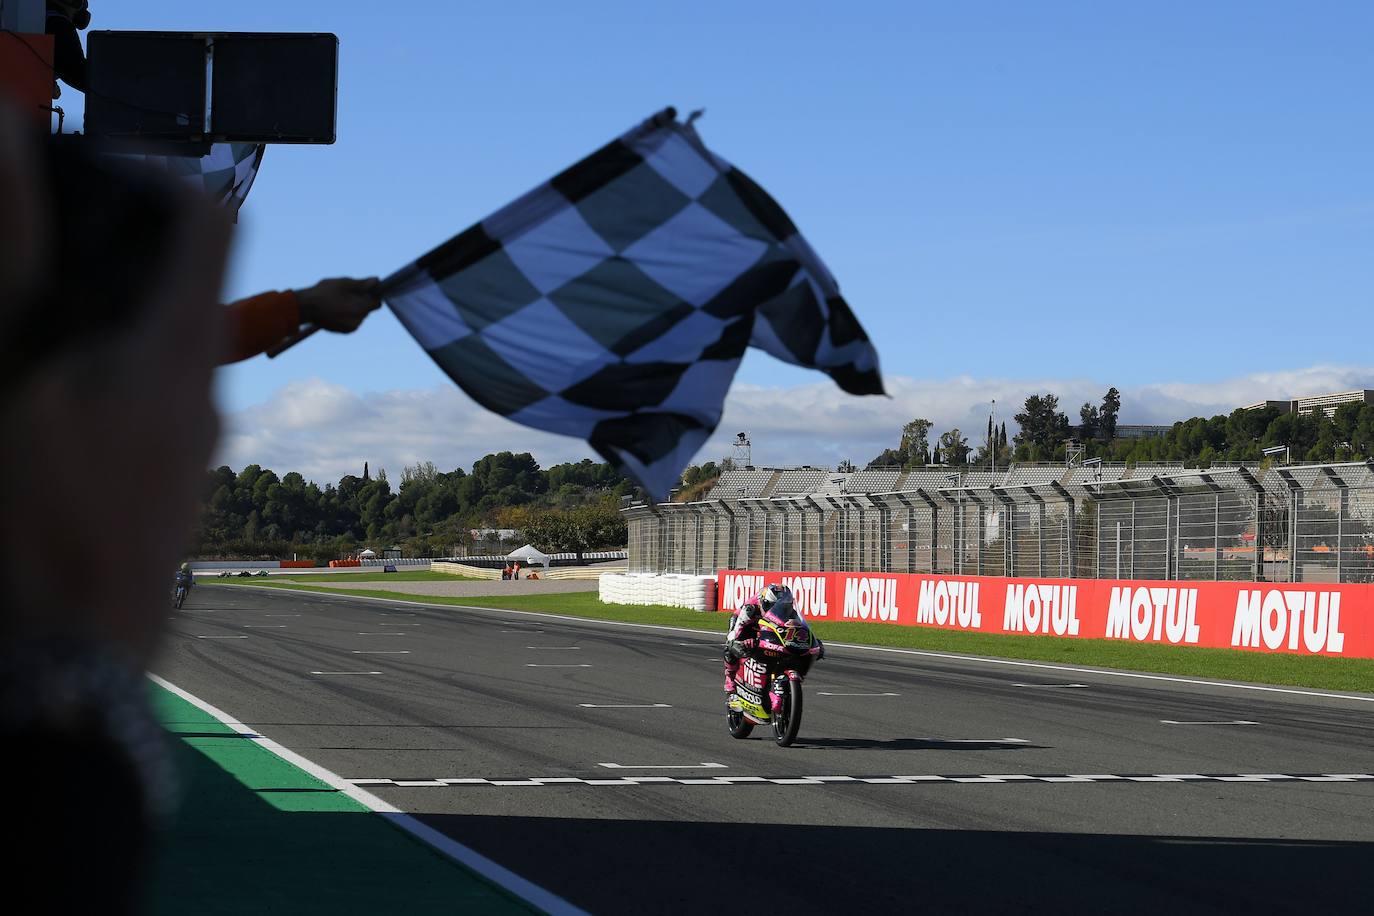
[{"x": 971, "y": 779}]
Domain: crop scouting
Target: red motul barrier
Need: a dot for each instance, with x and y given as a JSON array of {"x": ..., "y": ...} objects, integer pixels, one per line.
[{"x": 1298, "y": 619}]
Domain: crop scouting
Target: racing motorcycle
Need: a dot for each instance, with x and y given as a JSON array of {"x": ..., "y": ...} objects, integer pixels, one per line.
[{"x": 768, "y": 686}]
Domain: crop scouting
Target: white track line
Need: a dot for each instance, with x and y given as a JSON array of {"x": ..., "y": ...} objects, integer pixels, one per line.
[
  {"x": 465, "y": 855},
  {"x": 1228, "y": 722},
  {"x": 1053, "y": 686},
  {"x": 653, "y": 766},
  {"x": 922, "y": 780},
  {"x": 625, "y": 705},
  {"x": 923, "y": 653}
]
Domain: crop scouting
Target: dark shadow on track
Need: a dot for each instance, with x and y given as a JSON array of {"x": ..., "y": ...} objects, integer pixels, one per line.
[
  {"x": 907, "y": 744},
  {"x": 633, "y": 867}
]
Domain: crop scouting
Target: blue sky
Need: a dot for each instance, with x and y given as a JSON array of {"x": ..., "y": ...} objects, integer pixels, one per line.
[{"x": 1159, "y": 196}]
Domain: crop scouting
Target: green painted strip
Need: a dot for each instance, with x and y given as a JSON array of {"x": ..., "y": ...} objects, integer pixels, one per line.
[{"x": 256, "y": 834}]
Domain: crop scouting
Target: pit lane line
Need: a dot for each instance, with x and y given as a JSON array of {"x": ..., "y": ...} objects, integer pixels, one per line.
[{"x": 925, "y": 653}]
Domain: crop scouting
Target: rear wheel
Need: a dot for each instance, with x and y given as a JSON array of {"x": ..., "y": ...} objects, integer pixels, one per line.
[
  {"x": 787, "y": 719},
  {"x": 739, "y": 726}
]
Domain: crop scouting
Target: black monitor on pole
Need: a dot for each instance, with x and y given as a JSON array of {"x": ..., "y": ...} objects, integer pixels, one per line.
[{"x": 204, "y": 87}]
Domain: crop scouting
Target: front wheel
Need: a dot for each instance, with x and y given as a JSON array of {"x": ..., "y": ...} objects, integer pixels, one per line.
[
  {"x": 787, "y": 719},
  {"x": 180, "y": 597},
  {"x": 739, "y": 726}
]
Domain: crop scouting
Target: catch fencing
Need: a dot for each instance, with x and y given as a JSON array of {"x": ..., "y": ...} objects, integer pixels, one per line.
[{"x": 1308, "y": 523}]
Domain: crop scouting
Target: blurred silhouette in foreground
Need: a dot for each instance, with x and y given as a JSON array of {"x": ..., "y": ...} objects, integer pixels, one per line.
[{"x": 109, "y": 334}]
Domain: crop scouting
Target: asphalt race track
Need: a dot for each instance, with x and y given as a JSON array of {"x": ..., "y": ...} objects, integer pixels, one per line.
[{"x": 918, "y": 781}]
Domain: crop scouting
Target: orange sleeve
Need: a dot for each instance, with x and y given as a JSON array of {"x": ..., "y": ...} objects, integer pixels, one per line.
[{"x": 260, "y": 321}]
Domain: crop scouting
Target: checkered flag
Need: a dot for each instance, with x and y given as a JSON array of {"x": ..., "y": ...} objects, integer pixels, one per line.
[
  {"x": 226, "y": 174},
  {"x": 615, "y": 302}
]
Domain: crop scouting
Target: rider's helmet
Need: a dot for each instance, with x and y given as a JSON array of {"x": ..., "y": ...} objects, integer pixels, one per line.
[
  {"x": 185, "y": 567},
  {"x": 776, "y": 602},
  {"x": 780, "y": 610}
]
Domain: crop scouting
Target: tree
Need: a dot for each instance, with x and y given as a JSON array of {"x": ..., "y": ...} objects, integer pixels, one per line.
[
  {"x": 846, "y": 466},
  {"x": 1043, "y": 426},
  {"x": 1111, "y": 406},
  {"x": 576, "y": 530},
  {"x": 915, "y": 444},
  {"x": 954, "y": 447},
  {"x": 1090, "y": 422}
]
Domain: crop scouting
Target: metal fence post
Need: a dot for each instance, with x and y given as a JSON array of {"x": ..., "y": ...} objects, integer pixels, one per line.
[
  {"x": 1168, "y": 535},
  {"x": 1293, "y": 545},
  {"x": 1343, "y": 508},
  {"x": 1070, "y": 530}
]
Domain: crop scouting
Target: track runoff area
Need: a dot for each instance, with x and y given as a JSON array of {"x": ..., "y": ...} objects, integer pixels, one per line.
[{"x": 582, "y": 765}]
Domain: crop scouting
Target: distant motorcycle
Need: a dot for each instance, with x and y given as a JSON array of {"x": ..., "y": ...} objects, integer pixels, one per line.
[{"x": 768, "y": 686}]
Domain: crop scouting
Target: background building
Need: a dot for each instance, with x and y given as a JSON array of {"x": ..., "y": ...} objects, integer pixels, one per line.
[{"x": 1327, "y": 403}]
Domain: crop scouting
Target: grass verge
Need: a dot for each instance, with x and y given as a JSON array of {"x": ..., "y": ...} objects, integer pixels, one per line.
[{"x": 1322, "y": 673}]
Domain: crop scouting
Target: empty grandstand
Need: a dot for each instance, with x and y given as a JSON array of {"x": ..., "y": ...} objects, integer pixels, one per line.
[
  {"x": 742, "y": 483},
  {"x": 799, "y": 481}
]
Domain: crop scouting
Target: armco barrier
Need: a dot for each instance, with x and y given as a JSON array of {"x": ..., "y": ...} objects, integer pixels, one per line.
[{"x": 1333, "y": 620}]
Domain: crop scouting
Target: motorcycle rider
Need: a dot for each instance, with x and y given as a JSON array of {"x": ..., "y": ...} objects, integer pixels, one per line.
[
  {"x": 184, "y": 577},
  {"x": 778, "y": 605}
]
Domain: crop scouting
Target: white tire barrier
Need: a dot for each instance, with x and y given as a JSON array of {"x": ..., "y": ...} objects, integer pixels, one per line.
[{"x": 697, "y": 593}]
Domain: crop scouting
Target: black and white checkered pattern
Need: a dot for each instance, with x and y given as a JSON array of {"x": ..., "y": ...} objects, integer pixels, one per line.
[
  {"x": 615, "y": 302},
  {"x": 932, "y": 779},
  {"x": 225, "y": 175}
]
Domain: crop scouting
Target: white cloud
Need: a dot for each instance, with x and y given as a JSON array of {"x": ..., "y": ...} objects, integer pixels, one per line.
[{"x": 325, "y": 430}]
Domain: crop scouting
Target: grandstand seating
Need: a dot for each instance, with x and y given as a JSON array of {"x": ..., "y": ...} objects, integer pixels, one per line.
[
  {"x": 1093, "y": 475},
  {"x": 799, "y": 481},
  {"x": 787, "y": 483},
  {"x": 832, "y": 485},
  {"x": 742, "y": 483},
  {"x": 1146, "y": 471},
  {"x": 872, "y": 481},
  {"x": 928, "y": 479},
  {"x": 1033, "y": 475},
  {"x": 1306, "y": 477}
]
